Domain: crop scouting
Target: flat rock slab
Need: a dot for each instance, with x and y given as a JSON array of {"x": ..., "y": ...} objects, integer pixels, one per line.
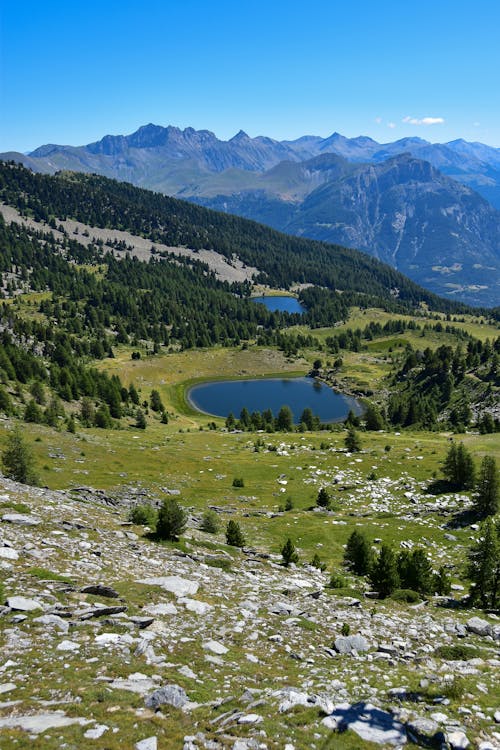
[
  {"x": 135, "y": 683},
  {"x": 7, "y": 553},
  {"x": 250, "y": 719},
  {"x": 149, "y": 743},
  {"x": 369, "y": 722},
  {"x": 142, "y": 622},
  {"x": 41, "y": 722},
  {"x": 215, "y": 647},
  {"x": 96, "y": 732},
  {"x": 426, "y": 733},
  {"x": 175, "y": 584},
  {"x": 168, "y": 695},
  {"x": 193, "y": 605},
  {"x": 53, "y": 621},
  {"x": 21, "y": 519},
  {"x": 68, "y": 646},
  {"x": 23, "y": 604},
  {"x": 102, "y": 612},
  {"x": 163, "y": 608},
  {"x": 6, "y": 687},
  {"x": 99, "y": 589}
]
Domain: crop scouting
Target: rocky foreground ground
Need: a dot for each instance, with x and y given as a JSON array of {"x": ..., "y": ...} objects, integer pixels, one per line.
[{"x": 109, "y": 640}]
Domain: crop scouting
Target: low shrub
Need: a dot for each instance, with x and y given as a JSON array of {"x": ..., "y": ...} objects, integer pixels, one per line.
[
  {"x": 406, "y": 595},
  {"x": 143, "y": 515}
]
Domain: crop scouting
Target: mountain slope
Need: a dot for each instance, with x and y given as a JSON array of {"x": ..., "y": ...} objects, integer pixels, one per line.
[
  {"x": 403, "y": 211},
  {"x": 281, "y": 259}
]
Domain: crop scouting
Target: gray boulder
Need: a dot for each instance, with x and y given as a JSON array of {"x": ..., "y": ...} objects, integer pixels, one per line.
[
  {"x": 350, "y": 643},
  {"x": 478, "y": 626},
  {"x": 168, "y": 695}
]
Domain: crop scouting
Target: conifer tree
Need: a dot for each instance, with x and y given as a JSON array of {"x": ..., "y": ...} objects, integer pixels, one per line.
[
  {"x": 172, "y": 520},
  {"x": 488, "y": 491},
  {"x": 458, "y": 467},
  {"x": 484, "y": 566},
  {"x": 323, "y": 500},
  {"x": 384, "y": 573},
  {"x": 289, "y": 553},
  {"x": 358, "y": 555},
  {"x": 17, "y": 459},
  {"x": 352, "y": 441},
  {"x": 415, "y": 571},
  {"x": 234, "y": 535}
]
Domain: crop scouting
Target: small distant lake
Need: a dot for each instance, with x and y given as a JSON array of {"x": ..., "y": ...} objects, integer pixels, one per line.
[
  {"x": 281, "y": 304},
  {"x": 224, "y": 396}
]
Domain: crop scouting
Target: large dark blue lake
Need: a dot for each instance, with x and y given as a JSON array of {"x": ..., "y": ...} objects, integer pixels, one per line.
[
  {"x": 281, "y": 304},
  {"x": 221, "y": 397}
]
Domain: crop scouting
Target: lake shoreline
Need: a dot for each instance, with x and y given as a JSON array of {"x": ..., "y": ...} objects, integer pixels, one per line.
[{"x": 300, "y": 399}]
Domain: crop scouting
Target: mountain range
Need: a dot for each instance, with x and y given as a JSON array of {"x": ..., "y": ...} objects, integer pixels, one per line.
[{"x": 430, "y": 210}]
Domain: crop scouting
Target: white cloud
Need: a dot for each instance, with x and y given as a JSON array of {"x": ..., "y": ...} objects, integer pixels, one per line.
[
  {"x": 378, "y": 120},
  {"x": 476, "y": 124},
  {"x": 391, "y": 125},
  {"x": 423, "y": 120}
]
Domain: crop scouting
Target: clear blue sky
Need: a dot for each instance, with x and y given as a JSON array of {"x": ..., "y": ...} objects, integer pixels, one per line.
[{"x": 73, "y": 71}]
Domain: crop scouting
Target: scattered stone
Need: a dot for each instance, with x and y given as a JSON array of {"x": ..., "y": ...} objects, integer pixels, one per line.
[
  {"x": 175, "y": 584},
  {"x": 193, "y": 605},
  {"x": 96, "y": 732},
  {"x": 168, "y": 695},
  {"x": 215, "y": 647},
  {"x": 101, "y": 612},
  {"x": 150, "y": 743},
  {"x": 68, "y": 646},
  {"x": 457, "y": 740},
  {"x": 100, "y": 590},
  {"x": 23, "y": 604},
  {"x": 185, "y": 671}
]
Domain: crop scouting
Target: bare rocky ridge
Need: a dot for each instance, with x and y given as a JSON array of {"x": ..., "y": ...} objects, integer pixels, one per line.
[
  {"x": 163, "y": 635},
  {"x": 225, "y": 270}
]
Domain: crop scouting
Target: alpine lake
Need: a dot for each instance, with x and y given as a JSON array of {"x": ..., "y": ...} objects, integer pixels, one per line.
[{"x": 221, "y": 397}]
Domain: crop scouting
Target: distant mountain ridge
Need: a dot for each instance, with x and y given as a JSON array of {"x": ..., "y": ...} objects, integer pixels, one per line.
[
  {"x": 475, "y": 164},
  {"x": 427, "y": 209}
]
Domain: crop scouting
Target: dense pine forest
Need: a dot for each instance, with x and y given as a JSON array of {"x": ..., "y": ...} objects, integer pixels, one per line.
[{"x": 281, "y": 260}]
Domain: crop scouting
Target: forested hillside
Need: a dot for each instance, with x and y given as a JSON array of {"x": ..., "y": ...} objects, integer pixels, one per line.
[{"x": 281, "y": 259}]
